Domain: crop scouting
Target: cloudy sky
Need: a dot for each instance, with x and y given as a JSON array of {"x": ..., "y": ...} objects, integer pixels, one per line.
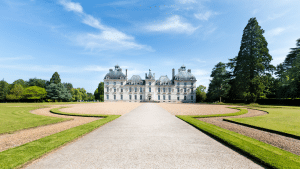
[{"x": 81, "y": 40}]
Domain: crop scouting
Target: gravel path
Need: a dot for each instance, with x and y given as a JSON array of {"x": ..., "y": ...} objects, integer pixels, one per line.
[
  {"x": 147, "y": 137},
  {"x": 289, "y": 144}
]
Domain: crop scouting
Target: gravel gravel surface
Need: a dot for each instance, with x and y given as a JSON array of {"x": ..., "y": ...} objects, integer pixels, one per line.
[
  {"x": 118, "y": 108},
  {"x": 196, "y": 109},
  {"x": 289, "y": 144}
]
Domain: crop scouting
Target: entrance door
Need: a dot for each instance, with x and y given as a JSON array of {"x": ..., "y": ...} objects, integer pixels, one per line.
[{"x": 149, "y": 98}]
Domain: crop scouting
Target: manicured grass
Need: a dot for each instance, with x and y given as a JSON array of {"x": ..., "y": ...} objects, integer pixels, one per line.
[
  {"x": 13, "y": 118},
  {"x": 56, "y": 111},
  {"x": 18, "y": 156},
  {"x": 285, "y": 120},
  {"x": 262, "y": 152},
  {"x": 242, "y": 111}
]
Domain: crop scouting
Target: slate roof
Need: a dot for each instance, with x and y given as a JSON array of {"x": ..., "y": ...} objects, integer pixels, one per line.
[{"x": 115, "y": 74}]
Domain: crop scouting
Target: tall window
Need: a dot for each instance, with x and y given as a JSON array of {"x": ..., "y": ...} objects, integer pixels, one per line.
[
  {"x": 121, "y": 83},
  {"x": 158, "y": 90},
  {"x": 135, "y": 89},
  {"x": 177, "y": 97},
  {"x": 114, "y": 83},
  {"x": 129, "y": 97},
  {"x": 107, "y": 83},
  {"x": 107, "y": 89},
  {"x": 184, "y": 90},
  {"x": 177, "y": 90},
  {"x": 114, "y": 97},
  {"x": 192, "y": 97},
  {"x": 135, "y": 97},
  {"x": 129, "y": 89},
  {"x": 169, "y": 97},
  {"x": 121, "y": 90},
  {"x": 158, "y": 97},
  {"x": 192, "y": 90},
  {"x": 141, "y": 97},
  {"x": 185, "y": 84},
  {"x": 149, "y": 89},
  {"x": 177, "y": 83},
  {"x": 169, "y": 90},
  {"x": 164, "y": 89},
  {"x": 184, "y": 97},
  {"x": 115, "y": 90},
  {"x": 192, "y": 84},
  {"x": 164, "y": 97},
  {"x": 141, "y": 89},
  {"x": 149, "y": 83},
  {"x": 121, "y": 97},
  {"x": 107, "y": 97}
]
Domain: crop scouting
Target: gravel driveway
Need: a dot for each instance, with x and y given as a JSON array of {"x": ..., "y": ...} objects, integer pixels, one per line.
[{"x": 146, "y": 137}]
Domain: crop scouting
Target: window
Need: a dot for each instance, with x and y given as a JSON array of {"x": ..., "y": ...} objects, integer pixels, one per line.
[
  {"x": 129, "y": 89},
  {"x": 169, "y": 90},
  {"x": 107, "y": 89},
  {"x": 164, "y": 90},
  {"x": 115, "y": 90},
  {"x": 184, "y": 97},
  {"x": 158, "y": 90},
  {"x": 185, "y": 84},
  {"x": 121, "y": 83},
  {"x": 135, "y": 89},
  {"x": 158, "y": 97},
  {"x": 121, "y": 90},
  {"x": 192, "y": 97},
  {"x": 141, "y": 97},
  {"x": 149, "y": 83},
  {"x": 149, "y": 89},
  {"x": 177, "y": 97},
  {"x": 114, "y": 83},
  {"x": 107, "y": 83},
  {"x": 192, "y": 84},
  {"x": 107, "y": 97},
  {"x": 184, "y": 90},
  {"x": 129, "y": 97},
  {"x": 192, "y": 90},
  {"x": 141, "y": 89},
  {"x": 121, "y": 97},
  {"x": 169, "y": 97},
  {"x": 114, "y": 97},
  {"x": 135, "y": 97},
  {"x": 177, "y": 83},
  {"x": 164, "y": 97},
  {"x": 177, "y": 90}
]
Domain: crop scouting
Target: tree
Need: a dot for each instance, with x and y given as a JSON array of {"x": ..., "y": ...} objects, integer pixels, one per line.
[
  {"x": 15, "y": 93},
  {"x": 4, "y": 90},
  {"x": 69, "y": 86},
  {"x": 58, "y": 92},
  {"x": 99, "y": 92},
  {"x": 252, "y": 62},
  {"x": 219, "y": 85},
  {"x": 90, "y": 97},
  {"x": 76, "y": 94},
  {"x": 34, "y": 93},
  {"x": 37, "y": 82},
  {"x": 55, "y": 78},
  {"x": 200, "y": 93},
  {"x": 21, "y": 82}
]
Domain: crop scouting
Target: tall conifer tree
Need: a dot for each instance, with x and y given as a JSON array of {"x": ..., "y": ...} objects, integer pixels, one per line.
[{"x": 252, "y": 62}]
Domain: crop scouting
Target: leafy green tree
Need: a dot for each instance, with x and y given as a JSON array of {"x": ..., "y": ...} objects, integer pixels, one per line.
[
  {"x": 34, "y": 93},
  {"x": 58, "y": 92},
  {"x": 15, "y": 93},
  {"x": 4, "y": 90},
  {"x": 200, "y": 93},
  {"x": 90, "y": 97},
  {"x": 76, "y": 94},
  {"x": 69, "y": 86},
  {"x": 219, "y": 85},
  {"x": 21, "y": 82},
  {"x": 252, "y": 62},
  {"x": 99, "y": 92},
  {"x": 37, "y": 82},
  {"x": 55, "y": 78}
]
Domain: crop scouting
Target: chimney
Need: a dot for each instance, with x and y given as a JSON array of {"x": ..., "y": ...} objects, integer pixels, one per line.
[
  {"x": 110, "y": 70},
  {"x": 153, "y": 75},
  {"x": 173, "y": 73},
  {"x": 145, "y": 75},
  {"x": 189, "y": 70},
  {"x": 126, "y": 72},
  {"x": 120, "y": 70}
]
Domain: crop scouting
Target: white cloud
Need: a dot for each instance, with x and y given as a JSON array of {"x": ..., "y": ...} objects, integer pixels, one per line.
[
  {"x": 275, "y": 32},
  {"x": 71, "y": 6},
  {"x": 108, "y": 39},
  {"x": 94, "y": 68},
  {"x": 187, "y": 1},
  {"x": 205, "y": 16},
  {"x": 173, "y": 24},
  {"x": 16, "y": 58},
  {"x": 200, "y": 72}
]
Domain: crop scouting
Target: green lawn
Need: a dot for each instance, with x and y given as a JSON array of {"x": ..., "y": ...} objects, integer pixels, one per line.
[
  {"x": 18, "y": 156},
  {"x": 282, "y": 119}
]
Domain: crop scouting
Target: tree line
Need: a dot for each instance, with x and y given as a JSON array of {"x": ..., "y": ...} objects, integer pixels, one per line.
[
  {"x": 39, "y": 90},
  {"x": 250, "y": 76}
]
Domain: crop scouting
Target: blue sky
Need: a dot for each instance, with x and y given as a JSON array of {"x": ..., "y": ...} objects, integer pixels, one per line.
[{"x": 81, "y": 40}]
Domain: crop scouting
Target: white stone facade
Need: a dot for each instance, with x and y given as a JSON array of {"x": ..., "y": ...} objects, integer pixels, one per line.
[{"x": 181, "y": 88}]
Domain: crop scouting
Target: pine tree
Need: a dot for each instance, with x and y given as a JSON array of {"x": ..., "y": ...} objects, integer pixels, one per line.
[
  {"x": 55, "y": 78},
  {"x": 252, "y": 62}
]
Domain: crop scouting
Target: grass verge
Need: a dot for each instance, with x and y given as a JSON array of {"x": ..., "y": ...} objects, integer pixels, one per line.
[
  {"x": 56, "y": 111},
  {"x": 264, "y": 153},
  {"x": 242, "y": 111},
  {"x": 18, "y": 156}
]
